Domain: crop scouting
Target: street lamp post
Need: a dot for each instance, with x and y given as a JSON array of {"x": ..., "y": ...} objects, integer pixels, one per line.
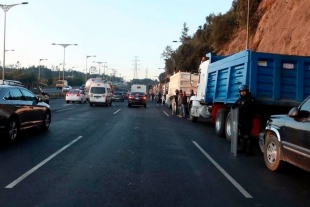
[
  {"x": 5, "y": 9},
  {"x": 99, "y": 65},
  {"x": 63, "y": 64},
  {"x": 40, "y": 68},
  {"x": 59, "y": 71},
  {"x": 86, "y": 65}
]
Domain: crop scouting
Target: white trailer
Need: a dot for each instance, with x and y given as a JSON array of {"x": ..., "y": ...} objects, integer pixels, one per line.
[
  {"x": 138, "y": 88},
  {"x": 180, "y": 81}
]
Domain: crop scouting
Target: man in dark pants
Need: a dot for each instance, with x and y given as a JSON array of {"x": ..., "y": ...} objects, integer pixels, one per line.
[
  {"x": 176, "y": 97},
  {"x": 246, "y": 113}
]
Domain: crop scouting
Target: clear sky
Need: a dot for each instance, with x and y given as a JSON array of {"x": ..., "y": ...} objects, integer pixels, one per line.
[{"x": 115, "y": 31}]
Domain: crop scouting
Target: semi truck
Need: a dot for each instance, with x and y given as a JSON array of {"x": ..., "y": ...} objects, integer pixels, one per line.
[{"x": 278, "y": 82}]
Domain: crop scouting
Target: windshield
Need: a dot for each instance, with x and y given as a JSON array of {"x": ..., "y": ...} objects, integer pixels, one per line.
[{"x": 97, "y": 90}]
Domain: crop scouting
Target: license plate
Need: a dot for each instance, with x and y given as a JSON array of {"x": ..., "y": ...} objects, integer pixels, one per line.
[
  {"x": 137, "y": 98},
  {"x": 97, "y": 97}
]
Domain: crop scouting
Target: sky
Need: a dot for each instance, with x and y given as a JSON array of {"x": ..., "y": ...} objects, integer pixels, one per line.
[{"x": 115, "y": 31}]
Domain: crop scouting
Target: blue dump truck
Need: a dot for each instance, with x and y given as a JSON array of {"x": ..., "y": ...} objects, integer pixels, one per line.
[{"x": 278, "y": 82}]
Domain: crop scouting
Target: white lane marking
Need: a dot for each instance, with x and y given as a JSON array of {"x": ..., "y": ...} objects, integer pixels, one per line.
[
  {"x": 65, "y": 109},
  {"x": 239, "y": 187},
  {"x": 156, "y": 104},
  {"x": 15, "y": 182},
  {"x": 165, "y": 113},
  {"x": 116, "y": 111}
]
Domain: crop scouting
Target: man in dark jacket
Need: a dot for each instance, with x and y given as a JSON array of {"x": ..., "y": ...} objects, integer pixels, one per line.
[{"x": 246, "y": 113}]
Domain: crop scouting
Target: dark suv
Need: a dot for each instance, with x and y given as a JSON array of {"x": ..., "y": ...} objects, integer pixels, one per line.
[{"x": 287, "y": 138}]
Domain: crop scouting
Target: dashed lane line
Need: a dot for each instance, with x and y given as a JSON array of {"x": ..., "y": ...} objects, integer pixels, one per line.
[
  {"x": 237, "y": 185},
  {"x": 116, "y": 111},
  {"x": 65, "y": 109},
  {"x": 165, "y": 113},
  {"x": 18, "y": 180}
]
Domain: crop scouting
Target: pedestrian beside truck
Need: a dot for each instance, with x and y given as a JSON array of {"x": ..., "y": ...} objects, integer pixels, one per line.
[
  {"x": 246, "y": 114},
  {"x": 184, "y": 105}
]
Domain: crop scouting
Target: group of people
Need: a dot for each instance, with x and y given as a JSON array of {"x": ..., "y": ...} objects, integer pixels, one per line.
[{"x": 182, "y": 102}]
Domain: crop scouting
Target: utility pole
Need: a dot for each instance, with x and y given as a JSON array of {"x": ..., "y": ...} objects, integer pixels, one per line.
[
  {"x": 135, "y": 73},
  {"x": 146, "y": 73}
]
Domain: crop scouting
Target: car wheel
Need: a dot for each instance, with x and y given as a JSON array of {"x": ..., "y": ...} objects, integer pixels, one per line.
[
  {"x": 272, "y": 153},
  {"x": 72, "y": 101},
  {"x": 144, "y": 105},
  {"x": 228, "y": 127},
  {"x": 12, "y": 129},
  {"x": 46, "y": 121},
  {"x": 67, "y": 102},
  {"x": 220, "y": 122},
  {"x": 129, "y": 105}
]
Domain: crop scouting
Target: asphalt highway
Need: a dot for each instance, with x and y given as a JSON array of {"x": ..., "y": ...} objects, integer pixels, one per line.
[{"x": 120, "y": 156}]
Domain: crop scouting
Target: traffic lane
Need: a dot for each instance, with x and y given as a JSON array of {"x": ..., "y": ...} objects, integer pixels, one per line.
[
  {"x": 267, "y": 188},
  {"x": 132, "y": 161},
  {"x": 35, "y": 145}
]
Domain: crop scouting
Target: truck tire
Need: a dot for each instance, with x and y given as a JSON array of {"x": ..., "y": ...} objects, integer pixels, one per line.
[
  {"x": 220, "y": 122},
  {"x": 228, "y": 127},
  {"x": 272, "y": 153},
  {"x": 191, "y": 117}
]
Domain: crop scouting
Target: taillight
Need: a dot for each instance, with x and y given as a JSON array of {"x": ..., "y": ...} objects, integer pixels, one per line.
[
  {"x": 78, "y": 94},
  {"x": 130, "y": 97},
  {"x": 143, "y": 97}
]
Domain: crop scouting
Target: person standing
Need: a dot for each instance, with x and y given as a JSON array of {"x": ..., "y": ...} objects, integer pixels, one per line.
[
  {"x": 180, "y": 98},
  {"x": 152, "y": 95},
  {"x": 184, "y": 104},
  {"x": 176, "y": 97},
  {"x": 246, "y": 113}
]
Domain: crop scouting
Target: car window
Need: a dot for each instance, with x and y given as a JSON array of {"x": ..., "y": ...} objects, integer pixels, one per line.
[
  {"x": 305, "y": 109},
  {"x": 7, "y": 96},
  {"x": 17, "y": 95},
  {"x": 73, "y": 92},
  {"x": 98, "y": 90},
  {"x": 28, "y": 95},
  {"x": 137, "y": 93}
]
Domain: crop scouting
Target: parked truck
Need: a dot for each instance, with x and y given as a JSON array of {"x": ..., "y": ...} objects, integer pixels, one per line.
[
  {"x": 278, "y": 82},
  {"x": 180, "y": 81}
]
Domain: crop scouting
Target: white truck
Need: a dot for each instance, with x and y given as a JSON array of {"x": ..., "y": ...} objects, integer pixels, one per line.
[
  {"x": 138, "y": 88},
  {"x": 88, "y": 84},
  {"x": 180, "y": 81},
  {"x": 197, "y": 109}
]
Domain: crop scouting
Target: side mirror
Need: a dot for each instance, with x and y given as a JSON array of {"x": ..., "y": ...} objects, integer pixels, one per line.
[
  {"x": 40, "y": 99},
  {"x": 293, "y": 112}
]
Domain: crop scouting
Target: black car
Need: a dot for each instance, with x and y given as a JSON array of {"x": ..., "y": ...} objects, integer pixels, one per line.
[
  {"x": 21, "y": 109},
  {"x": 137, "y": 98},
  {"x": 287, "y": 138},
  {"x": 118, "y": 96}
]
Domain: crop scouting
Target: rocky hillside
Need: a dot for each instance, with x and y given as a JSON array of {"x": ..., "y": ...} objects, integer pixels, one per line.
[{"x": 284, "y": 28}]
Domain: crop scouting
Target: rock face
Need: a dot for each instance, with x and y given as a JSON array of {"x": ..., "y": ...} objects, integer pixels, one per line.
[{"x": 284, "y": 28}]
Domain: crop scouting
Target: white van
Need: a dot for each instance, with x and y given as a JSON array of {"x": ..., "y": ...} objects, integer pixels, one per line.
[{"x": 100, "y": 94}]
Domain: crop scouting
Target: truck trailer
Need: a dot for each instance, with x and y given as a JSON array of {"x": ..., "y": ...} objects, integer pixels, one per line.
[{"x": 278, "y": 82}]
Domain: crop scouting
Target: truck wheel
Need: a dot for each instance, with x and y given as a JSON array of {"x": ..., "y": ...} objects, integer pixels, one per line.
[
  {"x": 272, "y": 153},
  {"x": 191, "y": 117},
  {"x": 220, "y": 122},
  {"x": 228, "y": 127}
]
